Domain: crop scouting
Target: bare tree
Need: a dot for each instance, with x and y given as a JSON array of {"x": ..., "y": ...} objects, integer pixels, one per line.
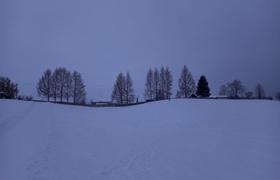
[
  {"x": 169, "y": 81},
  {"x": 178, "y": 94},
  {"x": 118, "y": 94},
  {"x": 162, "y": 83},
  {"x": 60, "y": 74},
  {"x": 149, "y": 91},
  {"x": 44, "y": 85},
  {"x": 259, "y": 90},
  {"x": 248, "y": 94},
  {"x": 278, "y": 95},
  {"x": 186, "y": 83},
  {"x": 68, "y": 90},
  {"x": 236, "y": 89},
  {"x": 223, "y": 90},
  {"x": 54, "y": 85},
  {"x": 156, "y": 84},
  {"x": 79, "y": 92},
  {"x": 129, "y": 90}
]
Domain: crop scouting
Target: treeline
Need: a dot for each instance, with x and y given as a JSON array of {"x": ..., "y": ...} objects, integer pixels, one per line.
[
  {"x": 236, "y": 90},
  {"x": 123, "y": 92},
  {"x": 63, "y": 86},
  {"x": 158, "y": 86}
]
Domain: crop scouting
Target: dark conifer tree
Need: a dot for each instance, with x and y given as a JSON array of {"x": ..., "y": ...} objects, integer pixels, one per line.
[{"x": 203, "y": 89}]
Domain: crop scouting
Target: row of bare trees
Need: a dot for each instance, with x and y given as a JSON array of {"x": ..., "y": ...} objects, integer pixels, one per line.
[
  {"x": 236, "y": 89},
  {"x": 123, "y": 92},
  {"x": 158, "y": 84},
  {"x": 62, "y": 85}
]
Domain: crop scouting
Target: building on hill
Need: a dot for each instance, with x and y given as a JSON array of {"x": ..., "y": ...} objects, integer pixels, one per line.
[
  {"x": 102, "y": 104},
  {"x": 194, "y": 95}
]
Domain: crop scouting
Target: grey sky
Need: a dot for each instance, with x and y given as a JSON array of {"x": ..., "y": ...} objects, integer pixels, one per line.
[{"x": 224, "y": 40}]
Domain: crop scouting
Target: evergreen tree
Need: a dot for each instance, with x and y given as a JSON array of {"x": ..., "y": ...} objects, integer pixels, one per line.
[
  {"x": 149, "y": 91},
  {"x": 186, "y": 83},
  {"x": 44, "y": 85},
  {"x": 203, "y": 89}
]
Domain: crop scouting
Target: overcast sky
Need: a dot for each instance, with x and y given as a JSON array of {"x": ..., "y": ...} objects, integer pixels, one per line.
[{"x": 224, "y": 40}]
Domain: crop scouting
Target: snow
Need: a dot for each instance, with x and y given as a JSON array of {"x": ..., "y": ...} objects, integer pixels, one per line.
[{"x": 177, "y": 139}]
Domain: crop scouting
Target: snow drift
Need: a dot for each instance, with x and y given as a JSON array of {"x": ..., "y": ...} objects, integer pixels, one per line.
[{"x": 177, "y": 139}]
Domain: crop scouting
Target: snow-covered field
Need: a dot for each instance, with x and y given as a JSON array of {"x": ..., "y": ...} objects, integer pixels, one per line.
[{"x": 177, "y": 139}]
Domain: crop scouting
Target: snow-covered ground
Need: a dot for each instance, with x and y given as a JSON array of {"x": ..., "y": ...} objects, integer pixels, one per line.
[{"x": 177, "y": 139}]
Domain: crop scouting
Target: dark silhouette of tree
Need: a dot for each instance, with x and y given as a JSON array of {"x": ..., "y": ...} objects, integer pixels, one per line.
[
  {"x": 79, "y": 92},
  {"x": 223, "y": 90},
  {"x": 169, "y": 81},
  {"x": 259, "y": 90},
  {"x": 123, "y": 92},
  {"x": 8, "y": 88},
  {"x": 60, "y": 74},
  {"x": 162, "y": 83},
  {"x": 68, "y": 90},
  {"x": 118, "y": 94},
  {"x": 186, "y": 83},
  {"x": 236, "y": 89},
  {"x": 203, "y": 89},
  {"x": 129, "y": 90},
  {"x": 149, "y": 91},
  {"x": 248, "y": 94},
  {"x": 165, "y": 80},
  {"x": 55, "y": 85},
  {"x": 156, "y": 84},
  {"x": 44, "y": 85},
  {"x": 178, "y": 94},
  {"x": 278, "y": 95}
]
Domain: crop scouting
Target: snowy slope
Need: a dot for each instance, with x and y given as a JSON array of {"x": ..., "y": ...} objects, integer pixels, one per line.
[{"x": 177, "y": 139}]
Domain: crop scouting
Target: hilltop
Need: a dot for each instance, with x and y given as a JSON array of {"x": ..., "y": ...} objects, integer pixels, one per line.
[{"x": 177, "y": 139}]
